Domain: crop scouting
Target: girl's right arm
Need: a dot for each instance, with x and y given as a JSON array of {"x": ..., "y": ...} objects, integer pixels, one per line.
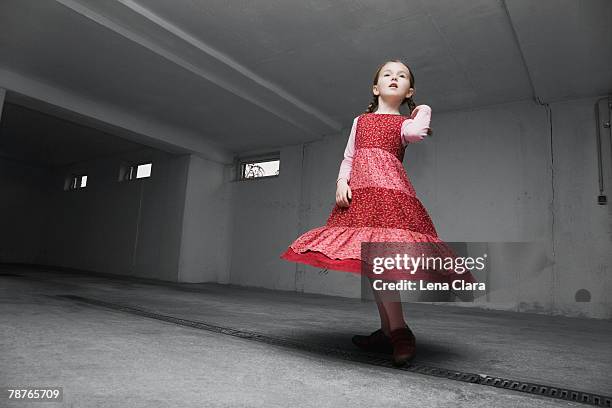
[
  {"x": 349, "y": 151},
  {"x": 343, "y": 191}
]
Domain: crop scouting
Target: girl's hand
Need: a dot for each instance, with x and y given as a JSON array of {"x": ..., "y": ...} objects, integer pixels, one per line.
[
  {"x": 414, "y": 113},
  {"x": 343, "y": 193}
]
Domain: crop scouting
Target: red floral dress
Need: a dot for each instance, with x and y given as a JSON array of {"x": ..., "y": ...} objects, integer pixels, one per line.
[{"x": 384, "y": 208}]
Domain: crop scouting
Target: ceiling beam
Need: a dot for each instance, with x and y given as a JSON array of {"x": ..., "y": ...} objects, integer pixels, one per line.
[
  {"x": 112, "y": 120},
  {"x": 534, "y": 94},
  {"x": 251, "y": 87}
]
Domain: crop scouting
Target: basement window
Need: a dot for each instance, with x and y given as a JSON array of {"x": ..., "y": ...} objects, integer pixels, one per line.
[
  {"x": 137, "y": 171},
  {"x": 259, "y": 168},
  {"x": 76, "y": 182}
]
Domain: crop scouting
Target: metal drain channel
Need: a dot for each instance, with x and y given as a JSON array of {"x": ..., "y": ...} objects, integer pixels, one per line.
[{"x": 498, "y": 382}]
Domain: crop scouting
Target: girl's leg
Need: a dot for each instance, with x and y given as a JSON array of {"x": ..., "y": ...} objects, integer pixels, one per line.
[
  {"x": 390, "y": 309},
  {"x": 384, "y": 320},
  {"x": 395, "y": 314}
]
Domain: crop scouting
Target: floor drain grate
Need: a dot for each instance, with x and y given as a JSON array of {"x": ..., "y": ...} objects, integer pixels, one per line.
[{"x": 520, "y": 386}]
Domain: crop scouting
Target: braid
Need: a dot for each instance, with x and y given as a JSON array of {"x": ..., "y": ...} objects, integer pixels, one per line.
[
  {"x": 373, "y": 105},
  {"x": 410, "y": 103}
]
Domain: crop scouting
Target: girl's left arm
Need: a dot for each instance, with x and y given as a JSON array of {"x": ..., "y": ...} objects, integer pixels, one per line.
[{"x": 415, "y": 128}]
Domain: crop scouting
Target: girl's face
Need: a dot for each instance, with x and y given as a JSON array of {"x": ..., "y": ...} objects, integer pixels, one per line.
[{"x": 393, "y": 82}]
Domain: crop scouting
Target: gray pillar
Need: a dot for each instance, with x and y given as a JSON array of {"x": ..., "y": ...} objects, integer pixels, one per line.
[{"x": 2, "y": 96}]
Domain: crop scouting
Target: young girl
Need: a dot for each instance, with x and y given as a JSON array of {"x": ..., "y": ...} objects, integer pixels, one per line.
[{"x": 375, "y": 202}]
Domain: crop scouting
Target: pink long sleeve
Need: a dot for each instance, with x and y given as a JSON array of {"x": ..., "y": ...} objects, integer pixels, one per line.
[
  {"x": 349, "y": 151},
  {"x": 415, "y": 128}
]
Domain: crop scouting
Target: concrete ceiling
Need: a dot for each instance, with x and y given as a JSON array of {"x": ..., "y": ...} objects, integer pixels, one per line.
[{"x": 219, "y": 77}]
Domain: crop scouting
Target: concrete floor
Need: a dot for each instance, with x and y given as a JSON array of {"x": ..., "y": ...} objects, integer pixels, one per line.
[{"x": 108, "y": 358}]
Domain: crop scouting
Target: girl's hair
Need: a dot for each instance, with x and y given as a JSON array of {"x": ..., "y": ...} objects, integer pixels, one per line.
[{"x": 408, "y": 101}]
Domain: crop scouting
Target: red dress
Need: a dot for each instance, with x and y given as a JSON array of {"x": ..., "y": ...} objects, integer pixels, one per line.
[{"x": 384, "y": 208}]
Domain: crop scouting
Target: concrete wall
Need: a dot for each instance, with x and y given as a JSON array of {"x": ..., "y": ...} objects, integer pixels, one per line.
[
  {"x": 129, "y": 227},
  {"x": 205, "y": 244},
  {"x": 487, "y": 175},
  {"x": 23, "y": 210},
  {"x": 582, "y": 229},
  {"x": 266, "y": 214},
  {"x": 172, "y": 226}
]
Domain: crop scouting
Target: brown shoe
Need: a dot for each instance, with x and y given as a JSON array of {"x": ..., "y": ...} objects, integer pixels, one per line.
[
  {"x": 377, "y": 342},
  {"x": 404, "y": 346}
]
